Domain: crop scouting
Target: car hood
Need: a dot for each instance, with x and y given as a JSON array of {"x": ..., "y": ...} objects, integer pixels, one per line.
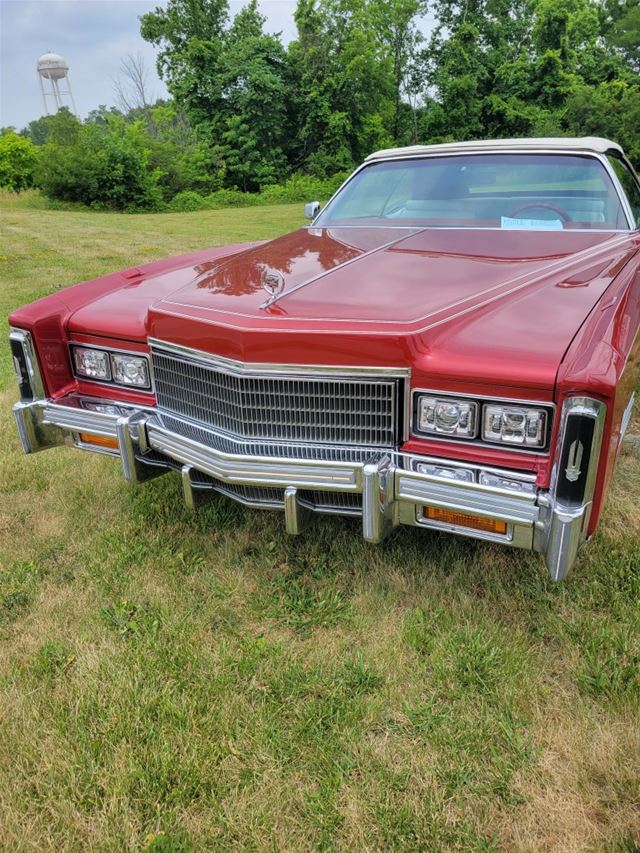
[
  {"x": 379, "y": 276},
  {"x": 458, "y": 300}
]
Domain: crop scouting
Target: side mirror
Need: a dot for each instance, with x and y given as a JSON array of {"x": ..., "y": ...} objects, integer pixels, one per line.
[{"x": 312, "y": 209}]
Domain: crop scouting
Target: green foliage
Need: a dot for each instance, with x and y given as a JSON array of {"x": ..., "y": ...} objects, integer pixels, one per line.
[
  {"x": 102, "y": 165},
  {"x": 187, "y": 32},
  {"x": 187, "y": 201},
  {"x": 352, "y": 66},
  {"x": 303, "y": 188},
  {"x": 620, "y": 23},
  {"x": 249, "y": 115},
  {"x": 18, "y": 162},
  {"x": 505, "y": 68},
  {"x": 231, "y": 82},
  {"x": 610, "y": 109},
  {"x": 38, "y": 131},
  {"x": 182, "y": 159},
  {"x": 298, "y": 188}
]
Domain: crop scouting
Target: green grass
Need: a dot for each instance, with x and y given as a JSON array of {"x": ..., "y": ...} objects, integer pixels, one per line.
[{"x": 171, "y": 682}]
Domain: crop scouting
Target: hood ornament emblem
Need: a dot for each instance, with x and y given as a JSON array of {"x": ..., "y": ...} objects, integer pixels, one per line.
[
  {"x": 273, "y": 282},
  {"x": 573, "y": 470}
]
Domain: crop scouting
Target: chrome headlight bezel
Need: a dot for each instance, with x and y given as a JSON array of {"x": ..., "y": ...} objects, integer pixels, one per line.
[
  {"x": 110, "y": 354},
  {"x": 483, "y": 403}
]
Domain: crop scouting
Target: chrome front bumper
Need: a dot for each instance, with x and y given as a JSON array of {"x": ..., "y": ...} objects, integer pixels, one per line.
[{"x": 392, "y": 491}]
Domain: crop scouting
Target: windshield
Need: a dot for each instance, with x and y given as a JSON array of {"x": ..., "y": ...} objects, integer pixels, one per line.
[{"x": 510, "y": 191}]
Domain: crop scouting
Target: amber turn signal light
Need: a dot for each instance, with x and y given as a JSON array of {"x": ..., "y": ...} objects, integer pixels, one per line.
[
  {"x": 99, "y": 440},
  {"x": 461, "y": 519}
]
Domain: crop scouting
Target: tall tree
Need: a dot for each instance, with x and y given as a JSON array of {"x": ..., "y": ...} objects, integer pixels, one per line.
[
  {"x": 131, "y": 87},
  {"x": 230, "y": 80},
  {"x": 353, "y": 66},
  {"x": 189, "y": 35},
  {"x": 477, "y": 58},
  {"x": 625, "y": 35},
  {"x": 250, "y": 113},
  {"x": 395, "y": 24}
]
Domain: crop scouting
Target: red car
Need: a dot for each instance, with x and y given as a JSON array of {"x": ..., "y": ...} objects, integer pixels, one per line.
[{"x": 451, "y": 344}]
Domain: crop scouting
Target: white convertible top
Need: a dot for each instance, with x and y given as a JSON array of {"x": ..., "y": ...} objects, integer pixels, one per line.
[{"x": 558, "y": 143}]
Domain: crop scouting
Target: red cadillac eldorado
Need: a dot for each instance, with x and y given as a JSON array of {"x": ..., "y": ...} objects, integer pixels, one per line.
[{"x": 452, "y": 343}]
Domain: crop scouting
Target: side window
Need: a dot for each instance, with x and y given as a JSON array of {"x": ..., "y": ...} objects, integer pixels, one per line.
[{"x": 629, "y": 185}]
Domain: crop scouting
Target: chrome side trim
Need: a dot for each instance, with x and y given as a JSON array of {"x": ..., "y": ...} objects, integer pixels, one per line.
[
  {"x": 25, "y": 339},
  {"x": 626, "y": 416},
  {"x": 566, "y": 525},
  {"x": 257, "y": 368}
]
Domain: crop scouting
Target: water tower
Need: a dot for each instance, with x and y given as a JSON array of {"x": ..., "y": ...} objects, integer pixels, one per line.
[{"x": 53, "y": 69}]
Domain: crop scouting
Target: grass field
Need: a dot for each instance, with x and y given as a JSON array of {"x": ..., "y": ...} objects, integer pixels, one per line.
[{"x": 174, "y": 683}]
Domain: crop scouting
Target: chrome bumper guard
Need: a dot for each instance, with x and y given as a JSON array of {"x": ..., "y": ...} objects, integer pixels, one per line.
[{"x": 393, "y": 491}]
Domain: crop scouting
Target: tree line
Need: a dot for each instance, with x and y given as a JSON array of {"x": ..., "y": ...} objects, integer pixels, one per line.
[{"x": 248, "y": 114}]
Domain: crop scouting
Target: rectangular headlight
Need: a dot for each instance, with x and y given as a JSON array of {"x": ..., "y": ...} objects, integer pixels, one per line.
[
  {"x": 92, "y": 363},
  {"x": 447, "y": 416},
  {"x": 130, "y": 370},
  {"x": 520, "y": 426}
]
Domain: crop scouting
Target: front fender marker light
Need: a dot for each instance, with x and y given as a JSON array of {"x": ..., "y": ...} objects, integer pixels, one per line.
[{"x": 462, "y": 519}]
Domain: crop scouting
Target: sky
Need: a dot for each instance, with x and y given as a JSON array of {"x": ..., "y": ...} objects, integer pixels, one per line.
[{"x": 93, "y": 36}]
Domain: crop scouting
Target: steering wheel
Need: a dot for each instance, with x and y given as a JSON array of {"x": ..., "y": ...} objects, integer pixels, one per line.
[{"x": 542, "y": 204}]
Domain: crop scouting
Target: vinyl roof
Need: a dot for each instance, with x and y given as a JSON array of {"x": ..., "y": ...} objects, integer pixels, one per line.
[{"x": 584, "y": 143}]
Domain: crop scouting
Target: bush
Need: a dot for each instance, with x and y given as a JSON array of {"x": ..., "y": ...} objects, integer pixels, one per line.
[
  {"x": 188, "y": 201},
  {"x": 302, "y": 188},
  {"x": 18, "y": 162},
  {"x": 298, "y": 188},
  {"x": 231, "y": 198},
  {"x": 102, "y": 166}
]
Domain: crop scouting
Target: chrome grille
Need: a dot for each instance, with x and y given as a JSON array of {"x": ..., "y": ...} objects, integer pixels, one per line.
[
  {"x": 343, "y": 503},
  {"x": 355, "y": 411},
  {"x": 230, "y": 444}
]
